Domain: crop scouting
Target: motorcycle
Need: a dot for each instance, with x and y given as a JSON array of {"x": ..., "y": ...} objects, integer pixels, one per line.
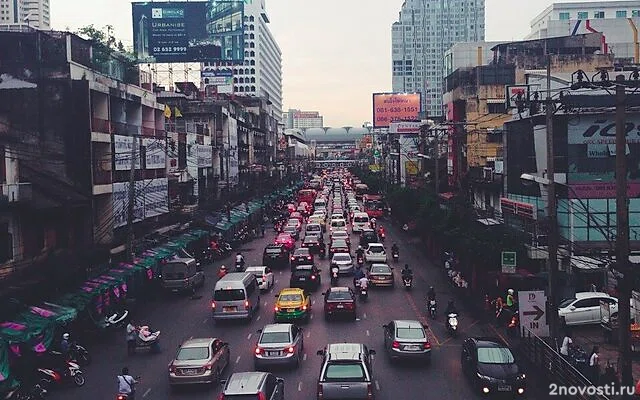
[
  {"x": 408, "y": 281},
  {"x": 115, "y": 319},
  {"x": 239, "y": 266},
  {"x": 452, "y": 324},
  {"x": 147, "y": 339},
  {"x": 125, "y": 396},
  {"x": 395, "y": 256},
  {"x": 50, "y": 376},
  {"x": 334, "y": 276},
  {"x": 514, "y": 324},
  {"x": 381, "y": 235},
  {"x": 36, "y": 392},
  {"x": 222, "y": 272},
  {"x": 433, "y": 308},
  {"x": 364, "y": 294},
  {"x": 360, "y": 260},
  {"x": 80, "y": 354}
]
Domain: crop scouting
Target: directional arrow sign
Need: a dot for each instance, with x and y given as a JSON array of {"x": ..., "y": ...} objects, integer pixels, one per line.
[{"x": 538, "y": 312}]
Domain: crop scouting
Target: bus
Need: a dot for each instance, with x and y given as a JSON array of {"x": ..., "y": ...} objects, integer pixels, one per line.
[
  {"x": 361, "y": 189},
  {"x": 307, "y": 195},
  {"x": 373, "y": 205}
]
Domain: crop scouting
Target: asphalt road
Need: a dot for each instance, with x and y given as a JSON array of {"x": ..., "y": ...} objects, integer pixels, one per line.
[{"x": 180, "y": 318}]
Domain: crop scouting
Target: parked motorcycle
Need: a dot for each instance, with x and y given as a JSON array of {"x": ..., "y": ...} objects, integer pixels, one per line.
[
  {"x": 433, "y": 309},
  {"x": 35, "y": 392},
  {"x": 452, "y": 324},
  {"x": 50, "y": 376}
]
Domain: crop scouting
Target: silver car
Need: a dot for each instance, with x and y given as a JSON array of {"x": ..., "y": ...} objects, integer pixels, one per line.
[
  {"x": 407, "y": 339},
  {"x": 375, "y": 253},
  {"x": 344, "y": 263},
  {"x": 279, "y": 344},
  {"x": 199, "y": 361}
]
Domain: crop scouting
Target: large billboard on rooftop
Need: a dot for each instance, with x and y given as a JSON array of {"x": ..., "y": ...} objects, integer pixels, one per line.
[{"x": 395, "y": 107}]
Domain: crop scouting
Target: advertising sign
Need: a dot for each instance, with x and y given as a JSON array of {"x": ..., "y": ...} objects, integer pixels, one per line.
[
  {"x": 231, "y": 144},
  {"x": 122, "y": 146},
  {"x": 532, "y": 305},
  {"x": 409, "y": 157},
  {"x": 155, "y": 154},
  {"x": 156, "y": 197},
  {"x": 166, "y": 32},
  {"x": 405, "y": 128},
  {"x": 395, "y": 107},
  {"x": 205, "y": 155},
  {"x": 120, "y": 198},
  {"x": 591, "y": 156},
  {"x": 509, "y": 262},
  {"x": 217, "y": 80}
]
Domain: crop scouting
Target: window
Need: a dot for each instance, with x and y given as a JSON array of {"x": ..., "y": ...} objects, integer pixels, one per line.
[
  {"x": 252, "y": 53},
  {"x": 275, "y": 337},
  {"x": 635, "y": 13},
  {"x": 251, "y": 27},
  {"x": 252, "y": 45},
  {"x": 410, "y": 333},
  {"x": 495, "y": 355},
  {"x": 621, "y": 14},
  {"x": 251, "y": 19},
  {"x": 598, "y": 14},
  {"x": 229, "y": 294},
  {"x": 193, "y": 353},
  {"x": 564, "y": 15},
  {"x": 344, "y": 372},
  {"x": 583, "y": 15},
  {"x": 253, "y": 80},
  {"x": 246, "y": 54},
  {"x": 241, "y": 80},
  {"x": 252, "y": 62},
  {"x": 253, "y": 88},
  {"x": 253, "y": 70}
]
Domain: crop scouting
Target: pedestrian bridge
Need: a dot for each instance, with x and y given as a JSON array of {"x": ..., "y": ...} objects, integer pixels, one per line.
[{"x": 320, "y": 135}]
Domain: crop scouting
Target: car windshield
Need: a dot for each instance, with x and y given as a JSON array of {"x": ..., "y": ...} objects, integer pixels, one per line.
[
  {"x": 341, "y": 257},
  {"x": 340, "y": 234},
  {"x": 410, "y": 333},
  {"x": 361, "y": 219},
  {"x": 290, "y": 228},
  {"x": 275, "y": 337},
  {"x": 272, "y": 250},
  {"x": 311, "y": 228},
  {"x": 301, "y": 253},
  {"x": 380, "y": 269},
  {"x": 290, "y": 297},
  {"x": 293, "y": 222},
  {"x": 338, "y": 223},
  {"x": 193, "y": 353},
  {"x": 339, "y": 295},
  {"x": 495, "y": 355},
  {"x": 376, "y": 249},
  {"x": 344, "y": 372},
  {"x": 339, "y": 243},
  {"x": 229, "y": 295},
  {"x": 565, "y": 303}
]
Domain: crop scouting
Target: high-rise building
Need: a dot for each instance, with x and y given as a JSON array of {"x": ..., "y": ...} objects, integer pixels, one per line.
[
  {"x": 302, "y": 119},
  {"x": 16, "y": 14},
  {"x": 424, "y": 31},
  {"x": 616, "y": 20},
  {"x": 261, "y": 73}
]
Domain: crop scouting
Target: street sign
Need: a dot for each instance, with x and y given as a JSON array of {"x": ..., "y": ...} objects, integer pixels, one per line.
[
  {"x": 532, "y": 306},
  {"x": 376, "y": 153},
  {"x": 509, "y": 262}
]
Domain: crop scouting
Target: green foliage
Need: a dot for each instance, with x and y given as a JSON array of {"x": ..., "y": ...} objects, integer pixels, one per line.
[{"x": 106, "y": 47}]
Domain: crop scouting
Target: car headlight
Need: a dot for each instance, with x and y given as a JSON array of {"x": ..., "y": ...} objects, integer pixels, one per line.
[
  {"x": 521, "y": 377},
  {"x": 484, "y": 377}
]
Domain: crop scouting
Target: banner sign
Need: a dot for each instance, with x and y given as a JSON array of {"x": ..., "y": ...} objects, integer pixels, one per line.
[
  {"x": 169, "y": 32},
  {"x": 591, "y": 156},
  {"x": 151, "y": 199},
  {"x": 406, "y": 128},
  {"x": 155, "y": 153},
  {"x": 122, "y": 146},
  {"x": 217, "y": 79},
  {"x": 204, "y": 155},
  {"x": 395, "y": 107}
]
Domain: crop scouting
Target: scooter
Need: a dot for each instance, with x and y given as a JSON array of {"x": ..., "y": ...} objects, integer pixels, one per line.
[
  {"x": 433, "y": 308},
  {"x": 395, "y": 256},
  {"x": 334, "y": 276},
  {"x": 222, "y": 272},
  {"x": 514, "y": 324},
  {"x": 408, "y": 281},
  {"x": 125, "y": 396},
  {"x": 36, "y": 392},
  {"x": 147, "y": 339},
  {"x": 360, "y": 261},
  {"x": 452, "y": 324},
  {"x": 239, "y": 266},
  {"x": 364, "y": 294},
  {"x": 49, "y": 376}
]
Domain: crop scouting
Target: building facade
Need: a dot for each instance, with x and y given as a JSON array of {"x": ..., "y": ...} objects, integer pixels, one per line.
[
  {"x": 468, "y": 55},
  {"x": 616, "y": 20},
  {"x": 261, "y": 73},
  {"x": 424, "y": 31},
  {"x": 302, "y": 119},
  {"x": 17, "y": 14}
]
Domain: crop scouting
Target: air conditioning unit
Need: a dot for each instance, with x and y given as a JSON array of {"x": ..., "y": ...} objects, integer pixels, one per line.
[{"x": 487, "y": 174}]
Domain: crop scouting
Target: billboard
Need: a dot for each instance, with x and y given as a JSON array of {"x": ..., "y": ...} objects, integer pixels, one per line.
[
  {"x": 395, "y": 107},
  {"x": 166, "y": 32},
  {"x": 591, "y": 150},
  {"x": 217, "y": 80}
]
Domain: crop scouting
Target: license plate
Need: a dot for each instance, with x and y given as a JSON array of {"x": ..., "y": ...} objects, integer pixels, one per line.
[
  {"x": 414, "y": 348},
  {"x": 273, "y": 353},
  {"x": 229, "y": 309},
  {"x": 274, "y": 256},
  {"x": 504, "y": 388},
  {"x": 291, "y": 310},
  {"x": 190, "y": 371},
  {"x": 303, "y": 279},
  {"x": 340, "y": 306}
]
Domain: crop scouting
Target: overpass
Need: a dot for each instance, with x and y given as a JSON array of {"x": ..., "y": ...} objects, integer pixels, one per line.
[{"x": 327, "y": 135}]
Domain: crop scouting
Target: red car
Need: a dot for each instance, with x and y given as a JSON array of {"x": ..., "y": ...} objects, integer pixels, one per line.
[
  {"x": 291, "y": 207},
  {"x": 286, "y": 240},
  {"x": 298, "y": 216}
]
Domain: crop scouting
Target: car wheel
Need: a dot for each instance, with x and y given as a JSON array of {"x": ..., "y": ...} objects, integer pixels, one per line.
[{"x": 355, "y": 316}]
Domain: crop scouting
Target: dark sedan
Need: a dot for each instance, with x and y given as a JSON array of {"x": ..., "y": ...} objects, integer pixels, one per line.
[
  {"x": 275, "y": 256},
  {"x": 339, "y": 301},
  {"x": 315, "y": 245},
  {"x": 492, "y": 367},
  {"x": 301, "y": 256},
  {"x": 305, "y": 277},
  {"x": 338, "y": 246},
  {"x": 368, "y": 236}
]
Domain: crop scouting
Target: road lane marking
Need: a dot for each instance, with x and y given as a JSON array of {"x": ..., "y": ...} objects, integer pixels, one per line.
[
  {"x": 313, "y": 302},
  {"x": 238, "y": 359},
  {"x": 377, "y": 386},
  {"x": 499, "y": 335},
  {"x": 299, "y": 386},
  {"x": 304, "y": 357},
  {"x": 308, "y": 333},
  {"x": 146, "y": 393},
  {"x": 276, "y": 281},
  {"x": 265, "y": 303},
  {"x": 204, "y": 321},
  {"x": 311, "y": 316},
  {"x": 258, "y": 318},
  {"x": 280, "y": 273},
  {"x": 249, "y": 336},
  {"x": 368, "y": 334},
  {"x": 421, "y": 317},
  {"x": 364, "y": 316}
]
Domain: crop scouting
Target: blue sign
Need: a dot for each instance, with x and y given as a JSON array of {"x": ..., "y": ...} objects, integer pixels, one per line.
[{"x": 203, "y": 31}]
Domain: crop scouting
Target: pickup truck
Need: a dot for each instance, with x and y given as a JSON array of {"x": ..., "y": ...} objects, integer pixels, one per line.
[{"x": 346, "y": 372}]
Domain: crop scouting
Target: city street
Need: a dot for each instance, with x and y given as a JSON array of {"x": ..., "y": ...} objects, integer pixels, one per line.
[{"x": 181, "y": 318}]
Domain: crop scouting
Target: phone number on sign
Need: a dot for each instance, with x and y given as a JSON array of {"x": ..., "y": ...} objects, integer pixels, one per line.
[
  {"x": 174, "y": 49},
  {"x": 396, "y": 109}
]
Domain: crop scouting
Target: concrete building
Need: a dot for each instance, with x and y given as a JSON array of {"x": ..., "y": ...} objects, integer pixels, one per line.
[
  {"x": 19, "y": 14},
  {"x": 424, "y": 31},
  {"x": 302, "y": 119},
  {"x": 468, "y": 55},
  {"x": 616, "y": 20},
  {"x": 261, "y": 73}
]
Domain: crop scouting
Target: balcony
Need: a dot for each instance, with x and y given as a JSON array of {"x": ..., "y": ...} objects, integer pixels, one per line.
[
  {"x": 100, "y": 125},
  {"x": 16, "y": 192}
]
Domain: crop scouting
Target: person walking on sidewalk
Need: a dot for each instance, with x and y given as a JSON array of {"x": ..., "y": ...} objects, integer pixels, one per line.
[
  {"x": 567, "y": 343},
  {"x": 594, "y": 365}
]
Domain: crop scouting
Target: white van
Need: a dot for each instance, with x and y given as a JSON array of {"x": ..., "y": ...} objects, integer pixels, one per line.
[
  {"x": 320, "y": 204},
  {"x": 338, "y": 225},
  {"x": 360, "y": 221},
  {"x": 236, "y": 296}
]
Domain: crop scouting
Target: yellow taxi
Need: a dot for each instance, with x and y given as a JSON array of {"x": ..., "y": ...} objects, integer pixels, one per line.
[{"x": 292, "y": 304}]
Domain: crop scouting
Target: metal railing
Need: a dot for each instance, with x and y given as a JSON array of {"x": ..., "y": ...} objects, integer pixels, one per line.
[{"x": 554, "y": 367}]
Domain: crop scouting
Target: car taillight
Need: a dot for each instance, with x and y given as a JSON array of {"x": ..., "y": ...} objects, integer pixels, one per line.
[
  {"x": 304, "y": 308},
  {"x": 313, "y": 277},
  {"x": 308, "y": 257},
  {"x": 291, "y": 350},
  {"x": 262, "y": 396},
  {"x": 121, "y": 397},
  {"x": 427, "y": 346},
  {"x": 259, "y": 350},
  {"x": 395, "y": 344},
  {"x": 172, "y": 368},
  {"x": 246, "y": 304},
  {"x": 221, "y": 396},
  {"x": 348, "y": 305},
  {"x": 275, "y": 308},
  {"x": 292, "y": 258},
  {"x": 208, "y": 367},
  {"x": 320, "y": 393},
  {"x": 369, "y": 391},
  {"x": 213, "y": 304}
]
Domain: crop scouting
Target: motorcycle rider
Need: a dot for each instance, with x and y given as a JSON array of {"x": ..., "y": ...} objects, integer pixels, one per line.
[
  {"x": 127, "y": 384},
  {"x": 222, "y": 271},
  {"x": 334, "y": 272},
  {"x": 65, "y": 344},
  {"x": 373, "y": 223},
  {"x": 239, "y": 260},
  {"x": 395, "y": 249},
  {"x": 359, "y": 274},
  {"x": 363, "y": 282},
  {"x": 132, "y": 334},
  {"x": 360, "y": 253},
  {"x": 407, "y": 272},
  {"x": 510, "y": 299},
  {"x": 431, "y": 294},
  {"x": 451, "y": 307}
]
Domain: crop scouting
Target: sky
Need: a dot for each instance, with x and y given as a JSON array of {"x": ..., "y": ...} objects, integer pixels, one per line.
[{"x": 336, "y": 53}]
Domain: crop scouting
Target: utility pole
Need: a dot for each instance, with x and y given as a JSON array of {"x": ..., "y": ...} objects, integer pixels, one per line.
[
  {"x": 131, "y": 200},
  {"x": 622, "y": 236},
  {"x": 552, "y": 245},
  {"x": 437, "y": 163}
]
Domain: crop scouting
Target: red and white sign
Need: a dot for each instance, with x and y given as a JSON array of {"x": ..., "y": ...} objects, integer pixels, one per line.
[
  {"x": 405, "y": 128},
  {"x": 518, "y": 208}
]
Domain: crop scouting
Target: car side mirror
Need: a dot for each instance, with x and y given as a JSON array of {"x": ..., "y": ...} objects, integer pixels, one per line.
[
  {"x": 385, "y": 326},
  {"x": 320, "y": 352},
  {"x": 223, "y": 382},
  {"x": 572, "y": 308},
  {"x": 259, "y": 331},
  {"x": 280, "y": 381},
  {"x": 372, "y": 352}
]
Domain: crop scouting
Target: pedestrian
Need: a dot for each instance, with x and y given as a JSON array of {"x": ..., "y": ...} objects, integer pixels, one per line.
[
  {"x": 262, "y": 228},
  {"x": 132, "y": 333},
  {"x": 567, "y": 342},
  {"x": 594, "y": 365}
]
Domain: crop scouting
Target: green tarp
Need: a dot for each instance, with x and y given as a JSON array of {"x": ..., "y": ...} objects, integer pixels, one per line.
[{"x": 6, "y": 380}]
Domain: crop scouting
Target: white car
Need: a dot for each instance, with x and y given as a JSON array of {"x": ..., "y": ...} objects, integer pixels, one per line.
[
  {"x": 584, "y": 308},
  {"x": 344, "y": 263},
  {"x": 264, "y": 275},
  {"x": 375, "y": 253}
]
